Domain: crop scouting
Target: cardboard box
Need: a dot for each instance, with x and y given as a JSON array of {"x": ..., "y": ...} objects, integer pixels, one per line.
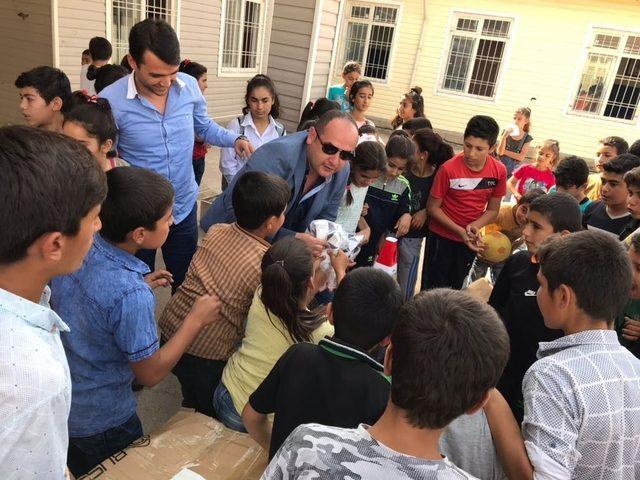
[
  {"x": 205, "y": 203},
  {"x": 191, "y": 446}
]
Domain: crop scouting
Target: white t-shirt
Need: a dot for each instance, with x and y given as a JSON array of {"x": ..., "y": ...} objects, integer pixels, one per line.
[{"x": 85, "y": 83}]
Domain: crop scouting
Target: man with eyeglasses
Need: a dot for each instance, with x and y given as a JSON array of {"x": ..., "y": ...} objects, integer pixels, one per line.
[{"x": 315, "y": 164}]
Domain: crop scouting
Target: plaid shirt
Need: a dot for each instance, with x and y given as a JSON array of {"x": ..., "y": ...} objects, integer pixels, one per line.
[
  {"x": 226, "y": 265},
  {"x": 582, "y": 409}
]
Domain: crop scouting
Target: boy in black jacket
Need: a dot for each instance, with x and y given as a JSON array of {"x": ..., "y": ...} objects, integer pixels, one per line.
[
  {"x": 514, "y": 294},
  {"x": 336, "y": 382}
]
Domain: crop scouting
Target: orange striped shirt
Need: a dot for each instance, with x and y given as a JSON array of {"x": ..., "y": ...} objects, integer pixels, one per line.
[{"x": 226, "y": 265}]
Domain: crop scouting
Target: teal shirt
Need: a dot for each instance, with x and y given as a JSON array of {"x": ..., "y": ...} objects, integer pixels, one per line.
[{"x": 337, "y": 94}]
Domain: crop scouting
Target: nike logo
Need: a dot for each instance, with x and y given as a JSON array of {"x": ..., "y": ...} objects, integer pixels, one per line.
[
  {"x": 461, "y": 185},
  {"x": 529, "y": 293}
]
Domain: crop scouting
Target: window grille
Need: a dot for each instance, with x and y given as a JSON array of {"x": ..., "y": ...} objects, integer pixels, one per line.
[
  {"x": 609, "y": 85},
  {"x": 241, "y": 38},
  {"x": 368, "y": 40},
  {"x": 475, "y": 55}
]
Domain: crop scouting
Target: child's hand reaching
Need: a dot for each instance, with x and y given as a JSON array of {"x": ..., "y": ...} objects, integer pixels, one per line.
[
  {"x": 403, "y": 225},
  {"x": 419, "y": 219},
  {"x": 471, "y": 238},
  {"x": 340, "y": 263},
  {"x": 159, "y": 278},
  {"x": 631, "y": 330},
  {"x": 205, "y": 311}
]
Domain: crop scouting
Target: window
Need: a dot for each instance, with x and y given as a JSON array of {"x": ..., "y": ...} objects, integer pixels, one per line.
[
  {"x": 242, "y": 31},
  {"x": 368, "y": 38},
  {"x": 475, "y": 55},
  {"x": 126, "y": 13},
  {"x": 610, "y": 82}
]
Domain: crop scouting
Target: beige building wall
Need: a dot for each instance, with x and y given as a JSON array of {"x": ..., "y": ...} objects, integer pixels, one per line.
[
  {"x": 200, "y": 26},
  {"x": 544, "y": 59},
  {"x": 291, "y": 35},
  {"x": 78, "y": 22},
  {"x": 326, "y": 37},
  {"x": 404, "y": 53},
  {"x": 26, "y": 43},
  {"x": 199, "y": 32}
]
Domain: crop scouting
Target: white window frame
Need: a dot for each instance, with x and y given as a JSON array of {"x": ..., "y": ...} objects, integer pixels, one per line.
[
  {"x": 587, "y": 48},
  {"x": 346, "y": 16},
  {"x": 480, "y": 16},
  {"x": 243, "y": 72},
  {"x": 175, "y": 20}
]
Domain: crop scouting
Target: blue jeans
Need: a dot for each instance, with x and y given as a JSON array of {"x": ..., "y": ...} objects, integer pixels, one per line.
[
  {"x": 177, "y": 250},
  {"x": 225, "y": 411},
  {"x": 84, "y": 453}
]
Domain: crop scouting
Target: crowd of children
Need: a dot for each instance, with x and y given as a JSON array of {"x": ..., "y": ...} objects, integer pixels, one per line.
[{"x": 540, "y": 381}]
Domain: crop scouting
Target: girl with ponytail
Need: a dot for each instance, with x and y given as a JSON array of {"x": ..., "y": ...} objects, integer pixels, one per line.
[
  {"x": 433, "y": 151},
  {"x": 279, "y": 317},
  {"x": 369, "y": 163},
  {"x": 90, "y": 121},
  {"x": 411, "y": 106}
]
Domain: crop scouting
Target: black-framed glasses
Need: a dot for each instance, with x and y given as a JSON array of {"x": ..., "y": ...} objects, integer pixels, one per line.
[{"x": 331, "y": 149}]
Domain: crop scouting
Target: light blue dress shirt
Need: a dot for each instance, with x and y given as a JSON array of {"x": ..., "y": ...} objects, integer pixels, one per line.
[{"x": 164, "y": 143}]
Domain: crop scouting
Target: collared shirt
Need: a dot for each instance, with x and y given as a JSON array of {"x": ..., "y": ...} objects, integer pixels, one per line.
[
  {"x": 110, "y": 310},
  {"x": 226, "y": 265},
  {"x": 582, "y": 409},
  {"x": 164, "y": 142},
  {"x": 35, "y": 390},
  {"x": 230, "y": 162}
]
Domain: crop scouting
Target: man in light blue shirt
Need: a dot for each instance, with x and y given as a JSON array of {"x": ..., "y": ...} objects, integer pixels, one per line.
[
  {"x": 157, "y": 111},
  {"x": 314, "y": 163}
]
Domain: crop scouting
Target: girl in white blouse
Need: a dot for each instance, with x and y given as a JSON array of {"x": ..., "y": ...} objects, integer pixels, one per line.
[{"x": 257, "y": 123}]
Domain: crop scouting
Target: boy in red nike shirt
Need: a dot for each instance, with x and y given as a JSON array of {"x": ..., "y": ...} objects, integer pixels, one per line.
[{"x": 465, "y": 197}]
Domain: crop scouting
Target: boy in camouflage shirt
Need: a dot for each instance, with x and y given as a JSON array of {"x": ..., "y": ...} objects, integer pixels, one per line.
[{"x": 447, "y": 352}]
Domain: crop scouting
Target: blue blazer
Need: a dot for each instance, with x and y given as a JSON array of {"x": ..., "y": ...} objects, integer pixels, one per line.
[{"x": 285, "y": 157}]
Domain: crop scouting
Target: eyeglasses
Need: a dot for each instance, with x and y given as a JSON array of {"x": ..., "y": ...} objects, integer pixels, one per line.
[{"x": 331, "y": 149}]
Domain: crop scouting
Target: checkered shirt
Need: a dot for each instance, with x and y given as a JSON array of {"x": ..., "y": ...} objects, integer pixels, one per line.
[
  {"x": 582, "y": 409},
  {"x": 226, "y": 265}
]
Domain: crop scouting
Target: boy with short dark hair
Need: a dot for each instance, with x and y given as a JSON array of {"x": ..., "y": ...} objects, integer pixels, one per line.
[
  {"x": 447, "y": 352},
  {"x": 465, "y": 197},
  {"x": 101, "y": 50},
  {"x": 111, "y": 312},
  {"x": 585, "y": 380},
  {"x": 632, "y": 180},
  {"x": 514, "y": 294},
  {"x": 581, "y": 396},
  {"x": 342, "y": 384},
  {"x": 49, "y": 201},
  {"x": 609, "y": 148},
  {"x": 572, "y": 174},
  {"x": 611, "y": 214},
  {"x": 45, "y": 94},
  {"x": 226, "y": 264}
]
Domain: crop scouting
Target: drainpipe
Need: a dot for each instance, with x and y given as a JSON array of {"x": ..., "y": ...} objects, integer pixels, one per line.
[
  {"x": 423, "y": 29},
  {"x": 336, "y": 38}
]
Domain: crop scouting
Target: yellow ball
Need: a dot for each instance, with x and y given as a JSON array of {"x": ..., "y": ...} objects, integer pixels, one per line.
[{"x": 497, "y": 247}]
